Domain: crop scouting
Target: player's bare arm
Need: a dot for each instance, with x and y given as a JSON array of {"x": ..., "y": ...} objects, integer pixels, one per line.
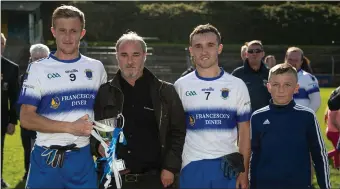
[
  {"x": 31, "y": 120},
  {"x": 244, "y": 148}
]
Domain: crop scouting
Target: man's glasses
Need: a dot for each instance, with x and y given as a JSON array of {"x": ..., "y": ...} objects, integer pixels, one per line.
[{"x": 251, "y": 51}]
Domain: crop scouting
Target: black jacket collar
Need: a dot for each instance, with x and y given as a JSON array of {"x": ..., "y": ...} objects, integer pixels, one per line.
[
  {"x": 247, "y": 68},
  {"x": 146, "y": 73}
]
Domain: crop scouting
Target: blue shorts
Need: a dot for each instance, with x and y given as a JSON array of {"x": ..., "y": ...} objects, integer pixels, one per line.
[
  {"x": 78, "y": 170},
  {"x": 205, "y": 173}
]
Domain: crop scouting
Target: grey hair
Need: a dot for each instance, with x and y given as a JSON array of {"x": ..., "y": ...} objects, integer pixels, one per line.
[
  {"x": 39, "y": 49},
  {"x": 131, "y": 36}
]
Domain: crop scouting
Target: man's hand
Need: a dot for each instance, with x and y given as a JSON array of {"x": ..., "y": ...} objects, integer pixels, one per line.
[
  {"x": 81, "y": 127},
  {"x": 242, "y": 181},
  {"x": 167, "y": 178},
  {"x": 10, "y": 129}
]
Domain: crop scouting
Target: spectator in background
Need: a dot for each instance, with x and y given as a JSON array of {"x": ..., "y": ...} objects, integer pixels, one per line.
[
  {"x": 37, "y": 52},
  {"x": 309, "y": 92},
  {"x": 244, "y": 52},
  {"x": 9, "y": 96},
  {"x": 332, "y": 133},
  {"x": 255, "y": 74},
  {"x": 270, "y": 61}
]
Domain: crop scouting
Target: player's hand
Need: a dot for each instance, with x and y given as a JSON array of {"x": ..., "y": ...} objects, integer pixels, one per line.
[
  {"x": 167, "y": 178},
  {"x": 242, "y": 181},
  {"x": 81, "y": 127},
  {"x": 101, "y": 149},
  {"x": 10, "y": 129}
]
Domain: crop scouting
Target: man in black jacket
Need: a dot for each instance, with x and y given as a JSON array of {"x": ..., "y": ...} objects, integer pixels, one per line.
[
  {"x": 154, "y": 119},
  {"x": 255, "y": 74},
  {"x": 9, "y": 94}
]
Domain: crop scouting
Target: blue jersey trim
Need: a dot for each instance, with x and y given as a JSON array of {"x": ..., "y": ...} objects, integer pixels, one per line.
[
  {"x": 27, "y": 99},
  {"x": 204, "y": 119},
  {"x": 243, "y": 117},
  {"x": 209, "y": 78},
  {"x": 64, "y": 61},
  {"x": 313, "y": 90},
  {"x": 67, "y": 101},
  {"x": 302, "y": 94}
]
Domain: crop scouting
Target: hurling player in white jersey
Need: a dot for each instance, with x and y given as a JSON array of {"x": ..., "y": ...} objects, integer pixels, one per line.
[
  {"x": 217, "y": 107},
  {"x": 56, "y": 100},
  {"x": 309, "y": 92}
]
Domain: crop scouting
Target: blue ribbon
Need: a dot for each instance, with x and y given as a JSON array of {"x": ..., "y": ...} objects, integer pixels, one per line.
[{"x": 111, "y": 153}]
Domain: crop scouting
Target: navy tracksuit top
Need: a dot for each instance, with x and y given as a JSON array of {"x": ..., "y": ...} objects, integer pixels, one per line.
[{"x": 282, "y": 139}]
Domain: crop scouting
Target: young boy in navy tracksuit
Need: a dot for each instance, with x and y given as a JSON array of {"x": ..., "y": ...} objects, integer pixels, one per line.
[{"x": 283, "y": 136}]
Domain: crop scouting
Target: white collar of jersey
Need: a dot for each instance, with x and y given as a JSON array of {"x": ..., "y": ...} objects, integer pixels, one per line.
[
  {"x": 64, "y": 61},
  {"x": 210, "y": 78}
]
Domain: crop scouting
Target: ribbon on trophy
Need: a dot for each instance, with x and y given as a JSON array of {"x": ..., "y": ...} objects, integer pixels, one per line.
[{"x": 105, "y": 129}]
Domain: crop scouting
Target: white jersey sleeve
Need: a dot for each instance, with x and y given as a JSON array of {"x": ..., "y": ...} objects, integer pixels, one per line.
[
  {"x": 243, "y": 101},
  {"x": 309, "y": 92},
  {"x": 104, "y": 76},
  {"x": 31, "y": 89},
  {"x": 312, "y": 85}
]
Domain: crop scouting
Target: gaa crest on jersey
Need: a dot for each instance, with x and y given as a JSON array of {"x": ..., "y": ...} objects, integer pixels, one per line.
[
  {"x": 191, "y": 120},
  {"x": 55, "y": 102},
  {"x": 225, "y": 93},
  {"x": 89, "y": 74}
]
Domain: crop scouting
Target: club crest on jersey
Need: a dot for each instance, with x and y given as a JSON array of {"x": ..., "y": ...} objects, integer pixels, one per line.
[
  {"x": 191, "y": 120},
  {"x": 88, "y": 74},
  {"x": 55, "y": 102},
  {"x": 224, "y": 93}
]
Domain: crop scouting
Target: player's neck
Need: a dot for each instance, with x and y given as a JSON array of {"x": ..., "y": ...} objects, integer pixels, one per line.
[
  {"x": 211, "y": 72},
  {"x": 62, "y": 56}
]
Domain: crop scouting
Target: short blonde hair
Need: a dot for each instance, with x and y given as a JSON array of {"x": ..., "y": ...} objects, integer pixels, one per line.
[
  {"x": 244, "y": 48},
  {"x": 67, "y": 11},
  {"x": 282, "y": 69}
]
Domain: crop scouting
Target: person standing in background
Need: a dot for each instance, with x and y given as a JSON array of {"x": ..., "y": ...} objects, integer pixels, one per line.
[
  {"x": 255, "y": 74},
  {"x": 9, "y": 97},
  {"x": 309, "y": 92}
]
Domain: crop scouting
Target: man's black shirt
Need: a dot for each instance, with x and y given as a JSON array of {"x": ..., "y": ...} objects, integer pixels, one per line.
[
  {"x": 143, "y": 150},
  {"x": 9, "y": 92}
]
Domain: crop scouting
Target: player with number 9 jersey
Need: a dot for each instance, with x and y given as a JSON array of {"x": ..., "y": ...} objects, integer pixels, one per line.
[{"x": 62, "y": 90}]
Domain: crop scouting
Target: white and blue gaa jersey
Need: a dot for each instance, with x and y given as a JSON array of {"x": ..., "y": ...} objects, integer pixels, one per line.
[
  {"x": 62, "y": 90},
  {"x": 213, "y": 108},
  {"x": 308, "y": 85}
]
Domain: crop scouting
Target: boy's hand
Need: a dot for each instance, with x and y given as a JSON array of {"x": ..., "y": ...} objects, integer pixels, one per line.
[{"x": 242, "y": 181}]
